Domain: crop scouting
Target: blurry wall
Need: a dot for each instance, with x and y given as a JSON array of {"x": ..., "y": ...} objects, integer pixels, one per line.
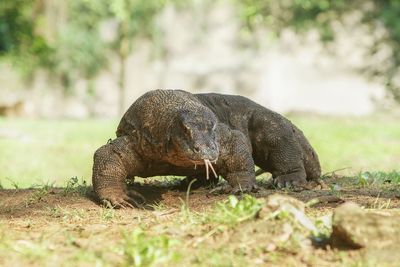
[{"x": 204, "y": 51}]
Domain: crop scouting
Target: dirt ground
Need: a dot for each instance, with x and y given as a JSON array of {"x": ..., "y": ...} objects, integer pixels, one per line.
[
  {"x": 28, "y": 203},
  {"x": 41, "y": 226}
]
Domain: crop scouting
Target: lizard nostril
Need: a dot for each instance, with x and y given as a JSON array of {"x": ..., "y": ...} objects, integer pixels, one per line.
[{"x": 196, "y": 149}]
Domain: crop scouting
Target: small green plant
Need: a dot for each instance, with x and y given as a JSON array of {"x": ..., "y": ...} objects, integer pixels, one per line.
[
  {"x": 13, "y": 183},
  {"x": 233, "y": 210},
  {"x": 74, "y": 214},
  {"x": 324, "y": 228},
  {"x": 139, "y": 249},
  {"x": 107, "y": 214},
  {"x": 365, "y": 178},
  {"x": 43, "y": 186},
  {"x": 55, "y": 212},
  {"x": 37, "y": 195},
  {"x": 67, "y": 214},
  {"x": 158, "y": 206},
  {"x": 185, "y": 210},
  {"x": 73, "y": 186},
  {"x": 336, "y": 189}
]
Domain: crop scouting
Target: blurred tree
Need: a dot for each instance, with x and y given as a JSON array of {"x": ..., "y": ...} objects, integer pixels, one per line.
[
  {"x": 135, "y": 18},
  {"x": 61, "y": 38},
  {"x": 305, "y": 15},
  {"x": 18, "y": 38},
  {"x": 81, "y": 42},
  {"x": 73, "y": 28},
  {"x": 64, "y": 37},
  {"x": 82, "y": 51}
]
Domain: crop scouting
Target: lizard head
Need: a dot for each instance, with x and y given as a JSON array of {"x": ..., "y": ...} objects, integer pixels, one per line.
[{"x": 193, "y": 137}]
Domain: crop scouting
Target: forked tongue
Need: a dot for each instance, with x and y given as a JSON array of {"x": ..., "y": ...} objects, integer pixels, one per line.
[{"x": 207, "y": 163}]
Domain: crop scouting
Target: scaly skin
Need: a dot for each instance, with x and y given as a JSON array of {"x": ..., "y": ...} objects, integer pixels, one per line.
[
  {"x": 167, "y": 133},
  {"x": 151, "y": 141},
  {"x": 278, "y": 146}
]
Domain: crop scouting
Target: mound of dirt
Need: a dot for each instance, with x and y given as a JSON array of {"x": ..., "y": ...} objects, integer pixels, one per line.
[{"x": 358, "y": 228}]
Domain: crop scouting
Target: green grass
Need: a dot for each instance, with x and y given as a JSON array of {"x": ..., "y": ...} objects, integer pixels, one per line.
[
  {"x": 42, "y": 151},
  {"x": 378, "y": 177},
  {"x": 139, "y": 249},
  {"x": 234, "y": 211},
  {"x": 366, "y": 143},
  {"x": 53, "y": 151}
]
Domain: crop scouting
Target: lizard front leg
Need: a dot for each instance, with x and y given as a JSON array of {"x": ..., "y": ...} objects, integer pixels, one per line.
[
  {"x": 236, "y": 163},
  {"x": 113, "y": 163}
]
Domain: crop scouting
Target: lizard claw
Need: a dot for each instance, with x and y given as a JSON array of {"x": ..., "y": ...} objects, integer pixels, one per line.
[
  {"x": 125, "y": 204},
  {"x": 251, "y": 188},
  {"x": 291, "y": 181},
  {"x": 222, "y": 189},
  {"x": 124, "y": 201}
]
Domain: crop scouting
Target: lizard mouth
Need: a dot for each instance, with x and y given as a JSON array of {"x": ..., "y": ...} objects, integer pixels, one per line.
[{"x": 208, "y": 164}]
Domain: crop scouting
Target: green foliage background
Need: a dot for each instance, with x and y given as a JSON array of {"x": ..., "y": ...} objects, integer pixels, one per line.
[
  {"x": 68, "y": 43},
  {"x": 64, "y": 37},
  {"x": 320, "y": 15}
]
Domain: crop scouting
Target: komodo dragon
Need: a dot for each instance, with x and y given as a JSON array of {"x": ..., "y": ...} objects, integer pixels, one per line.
[
  {"x": 170, "y": 132},
  {"x": 277, "y": 146}
]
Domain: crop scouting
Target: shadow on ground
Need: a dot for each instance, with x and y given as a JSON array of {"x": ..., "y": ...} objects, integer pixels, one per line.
[{"x": 30, "y": 202}]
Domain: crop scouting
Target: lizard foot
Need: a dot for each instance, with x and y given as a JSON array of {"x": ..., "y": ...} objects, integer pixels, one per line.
[
  {"x": 124, "y": 201},
  {"x": 291, "y": 181}
]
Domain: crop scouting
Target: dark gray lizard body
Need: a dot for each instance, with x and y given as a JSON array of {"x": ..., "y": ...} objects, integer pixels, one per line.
[{"x": 167, "y": 132}]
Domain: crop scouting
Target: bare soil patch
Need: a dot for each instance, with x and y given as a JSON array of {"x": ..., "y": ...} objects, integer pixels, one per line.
[{"x": 71, "y": 224}]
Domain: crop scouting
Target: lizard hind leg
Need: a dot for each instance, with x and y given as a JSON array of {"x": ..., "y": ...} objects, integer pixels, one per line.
[
  {"x": 286, "y": 161},
  {"x": 288, "y": 172}
]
